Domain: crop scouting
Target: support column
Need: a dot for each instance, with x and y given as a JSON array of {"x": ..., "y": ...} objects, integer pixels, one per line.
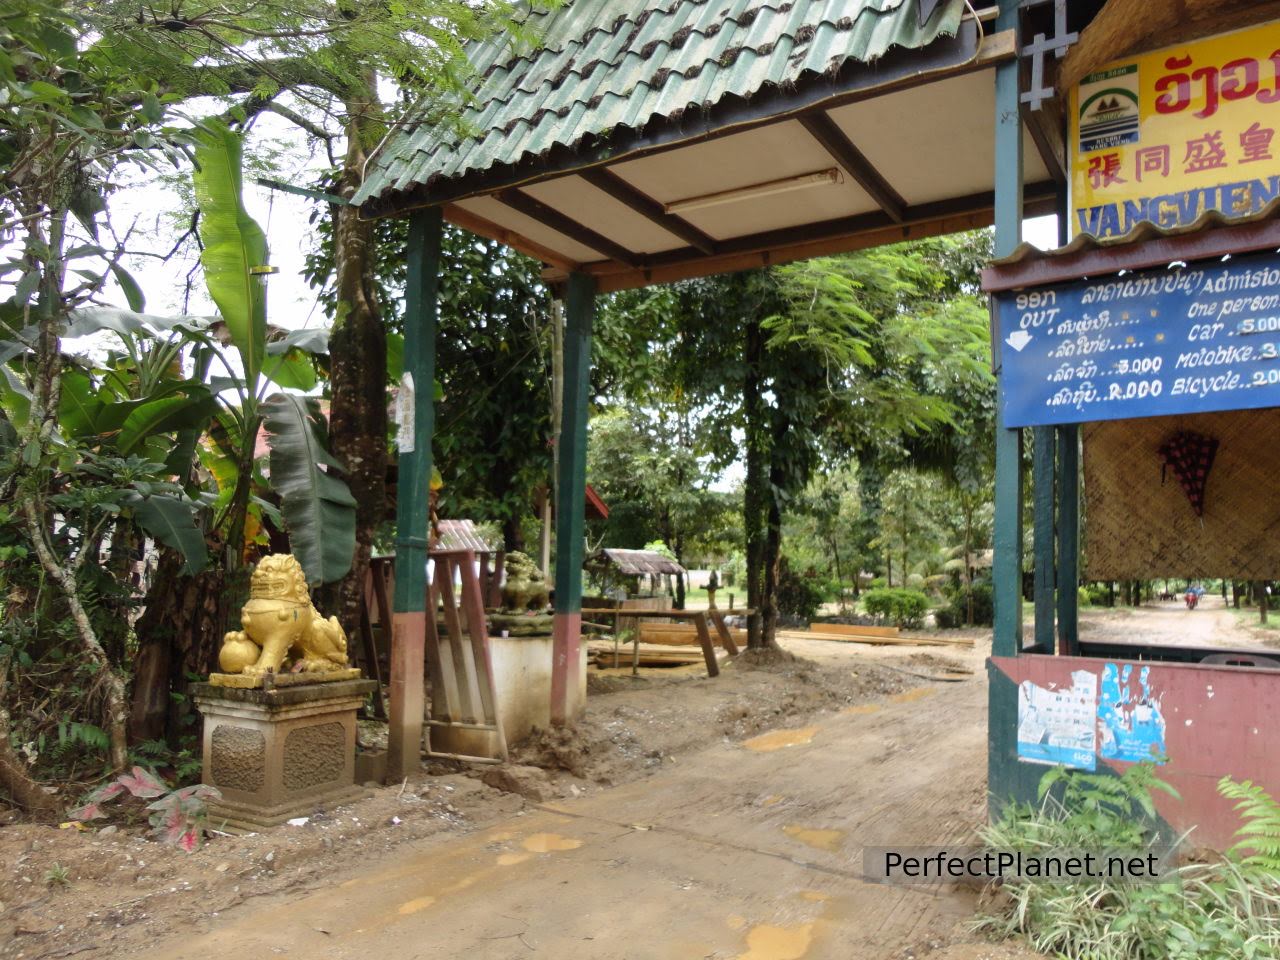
[
  {"x": 1069, "y": 540},
  {"x": 416, "y": 416},
  {"x": 1007, "y": 566},
  {"x": 1005, "y": 776},
  {"x": 571, "y": 495},
  {"x": 1044, "y": 468}
]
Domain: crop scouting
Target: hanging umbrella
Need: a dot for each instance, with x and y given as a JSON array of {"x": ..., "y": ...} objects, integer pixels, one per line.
[{"x": 1190, "y": 456}]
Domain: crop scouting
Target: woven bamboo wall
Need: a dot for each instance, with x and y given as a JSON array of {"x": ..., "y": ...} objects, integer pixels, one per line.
[{"x": 1138, "y": 528}]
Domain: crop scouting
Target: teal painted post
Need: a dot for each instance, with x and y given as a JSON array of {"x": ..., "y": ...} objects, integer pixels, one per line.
[
  {"x": 413, "y": 509},
  {"x": 571, "y": 495},
  {"x": 1043, "y": 469},
  {"x": 1003, "y": 770},
  {"x": 1007, "y": 566},
  {"x": 1068, "y": 539}
]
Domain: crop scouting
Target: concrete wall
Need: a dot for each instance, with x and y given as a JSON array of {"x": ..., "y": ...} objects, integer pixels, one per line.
[{"x": 522, "y": 678}]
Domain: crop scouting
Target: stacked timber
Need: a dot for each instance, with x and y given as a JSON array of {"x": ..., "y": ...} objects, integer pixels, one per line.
[
  {"x": 683, "y": 634},
  {"x": 875, "y": 636},
  {"x": 604, "y": 654}
]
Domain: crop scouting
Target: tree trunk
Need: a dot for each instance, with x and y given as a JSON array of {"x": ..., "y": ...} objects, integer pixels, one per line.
[
  {"x": 179, "y": 635},
  {"x": 115, "y": 707},
  {"x": 756, "y": 484},
  {"x": 772, "y": 562},
  {"x": 358, "y": 365},
  {"x": 15, "y": 781}
]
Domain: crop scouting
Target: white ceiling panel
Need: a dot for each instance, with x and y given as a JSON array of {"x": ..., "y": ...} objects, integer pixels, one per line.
[
  {"x": 499, "y": 213},
  {"x": 592, "y": 207},
  {"x": 943, "y": 138}
]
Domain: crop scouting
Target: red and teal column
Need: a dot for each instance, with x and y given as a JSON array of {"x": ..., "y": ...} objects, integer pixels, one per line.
[
  {"x": 413, "y": 479},
  {"x": 571, "y": 494}
]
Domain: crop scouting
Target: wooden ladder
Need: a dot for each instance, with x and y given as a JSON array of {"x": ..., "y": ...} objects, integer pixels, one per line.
[{"x": 462, "y": 687}]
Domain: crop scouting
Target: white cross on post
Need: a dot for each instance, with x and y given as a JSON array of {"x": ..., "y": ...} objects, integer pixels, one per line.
[{"x": 1057, "y": 45}]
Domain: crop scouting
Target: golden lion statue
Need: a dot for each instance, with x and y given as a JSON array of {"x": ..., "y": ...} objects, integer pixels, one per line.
[
  {"x": 280, "y": 623},
  {"x": 526, "y": 586}
]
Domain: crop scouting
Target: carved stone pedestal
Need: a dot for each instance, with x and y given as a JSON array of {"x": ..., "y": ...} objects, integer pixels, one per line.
[{"x": 278, "y": 753}]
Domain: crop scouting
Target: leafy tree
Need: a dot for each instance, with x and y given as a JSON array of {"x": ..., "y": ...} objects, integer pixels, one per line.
[{"x": 644, "y": 465}]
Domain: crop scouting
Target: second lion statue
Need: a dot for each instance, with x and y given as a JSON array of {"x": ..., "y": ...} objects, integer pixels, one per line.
[{"x": 279, "y": 623}]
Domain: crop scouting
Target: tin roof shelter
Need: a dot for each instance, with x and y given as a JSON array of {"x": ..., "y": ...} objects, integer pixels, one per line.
[
  {"x": 637, "y": 563},
  {"x": 647, "y": 141}
]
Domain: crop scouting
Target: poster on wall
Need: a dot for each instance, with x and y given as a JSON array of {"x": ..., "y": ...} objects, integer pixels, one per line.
[
  {"x": 1057, "y": 725},
  {"x": 1168, "y": 136},
  {"x": 1130, "y": 721}
]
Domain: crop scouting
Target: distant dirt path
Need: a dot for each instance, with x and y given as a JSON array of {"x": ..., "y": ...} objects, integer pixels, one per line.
[
  {"x": 1211, "y": 624},
  {"x": 743, "y": 850}
]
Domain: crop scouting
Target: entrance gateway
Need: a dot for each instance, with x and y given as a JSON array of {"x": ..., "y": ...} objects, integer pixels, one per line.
[{"x": 650, "y": 142}]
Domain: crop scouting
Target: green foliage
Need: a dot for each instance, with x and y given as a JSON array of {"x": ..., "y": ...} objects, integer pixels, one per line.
[
  {"x": 318, "y": 509},
  {"x": 903, "y": 608},
  {"x": 956, "y": 613},
  {"x": 1226, "y": 908},
  {"x": 57, "y": 876},
  {"x": 1259, "y": 837},
  {"x": 800, "y": 594},
  {"x": 233, "y": 245},
  {"x": 177, "y": 817}
]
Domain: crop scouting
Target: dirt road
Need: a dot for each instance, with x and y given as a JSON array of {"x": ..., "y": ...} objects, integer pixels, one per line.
[
  {"x": 1211, "y": 624},
  {"x": 746, "y": 850}
]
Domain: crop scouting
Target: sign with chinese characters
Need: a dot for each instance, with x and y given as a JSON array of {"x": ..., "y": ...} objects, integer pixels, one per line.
[
  {"x": 1169, "y": 136},
  {"x": 1144, "y": 344}
]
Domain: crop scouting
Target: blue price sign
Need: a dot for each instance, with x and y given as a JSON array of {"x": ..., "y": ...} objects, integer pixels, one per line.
[{"x": 1147, "y": 344}]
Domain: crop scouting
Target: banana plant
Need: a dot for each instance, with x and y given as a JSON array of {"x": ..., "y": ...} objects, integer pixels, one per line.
[{"x": 317, "y": 507}]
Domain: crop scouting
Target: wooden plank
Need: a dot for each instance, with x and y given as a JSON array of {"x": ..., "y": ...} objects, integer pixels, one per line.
[
  {"x": 726, "y": 635},
  {"x": 900, "y": 641},
  {"x": 844, "y": 235},
  {"x": 708, "y": 648},
  {"x": 487, "y": 228},
  {"x": 854, "y": 630},
  {"x": 463, "y": 670},
  {"x": 444, "y": 687},
  {"x": 622, "y": 191},
  {"x": 371, "y": 664},
  {"x": 547, "y": 215},
  {"x": 852, "y": 160},
  {"x": 474, "y": 604}
]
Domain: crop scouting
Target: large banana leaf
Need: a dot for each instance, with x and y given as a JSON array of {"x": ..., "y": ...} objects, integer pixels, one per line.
[
  {"x": 234, "y": 245},
  {"x": 319, "y": 511},
  {"x": 171, "y": 520}
]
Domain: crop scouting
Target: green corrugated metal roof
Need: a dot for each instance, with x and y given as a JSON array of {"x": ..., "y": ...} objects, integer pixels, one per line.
[{"x": 606, "y": 64}]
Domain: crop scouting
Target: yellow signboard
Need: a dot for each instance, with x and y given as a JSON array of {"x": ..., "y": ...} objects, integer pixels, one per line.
[{"x": 1167, "y": 136}]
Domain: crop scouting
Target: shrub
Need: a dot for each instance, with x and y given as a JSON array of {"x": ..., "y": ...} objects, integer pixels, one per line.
[
  {"x": 1224, "y": 908},
  {"x": 956, "y": 613},
  {"x": 799, "y": 594},
  {"x": 177, "y": 817},
  {"x": 904, "y": 608},
  {"x": 1083, "y": 598}
]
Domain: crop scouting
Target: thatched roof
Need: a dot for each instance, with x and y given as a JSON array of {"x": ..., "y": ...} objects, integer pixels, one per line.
[
  {"x": 636, "y": 563},
  {"x": 1125, "y": 27}
]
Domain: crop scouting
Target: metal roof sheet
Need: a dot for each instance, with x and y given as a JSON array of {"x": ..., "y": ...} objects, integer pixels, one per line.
[
  {"x": 461, "y": 535},
  {"x": 608, "y": 64},
  {"x": 635, "y": 563}
]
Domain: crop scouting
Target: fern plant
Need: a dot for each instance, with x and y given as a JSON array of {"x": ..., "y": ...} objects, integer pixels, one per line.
[
  {"x": 1259, "y": 837},
  {"x": 1229, "y": 908}
]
